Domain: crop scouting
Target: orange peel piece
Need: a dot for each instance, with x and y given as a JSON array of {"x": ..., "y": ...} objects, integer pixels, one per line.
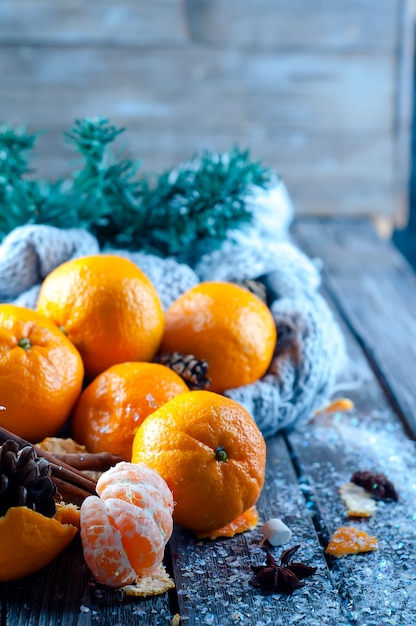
[
  {"x": 156, "y": 583},
  {"x": 348, "y": 540},
  {"x": 246, "y": 521},
  {"x": 358, "y": 501},
  {"x": 340, "y": 404},
  {"x": 68, "y": 513},
  {"x": 29, "y": 541}
]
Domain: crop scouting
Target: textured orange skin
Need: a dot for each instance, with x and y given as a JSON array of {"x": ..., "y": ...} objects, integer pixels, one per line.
[
  {"x": 29, "y": 541},
  {"x": 124, "y": 531},
  {"x": 227, "y": 326},
  {"x": 108, "y": 308},
  {"x": 113, "y": 406},
  {"x": 350, "y": 540},
  {"x": 179, "y": 441},
  {"x": 38, "y": 386},
  {"x": 246, "y": 521}
]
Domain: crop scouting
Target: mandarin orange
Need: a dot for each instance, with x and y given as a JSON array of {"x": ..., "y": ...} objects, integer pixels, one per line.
[
  {"x": 124, "y": 531},
  {"x": 108, "y": 308},
  {"x": 225, "y": 325},
  {"x": 210, "y": 452},
  {"x": 41, "y": 373},
  {"x": 113, "y": 406}
]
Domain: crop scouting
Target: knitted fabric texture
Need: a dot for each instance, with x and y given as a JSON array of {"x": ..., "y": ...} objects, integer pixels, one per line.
[{"x": 304, "y": 369}]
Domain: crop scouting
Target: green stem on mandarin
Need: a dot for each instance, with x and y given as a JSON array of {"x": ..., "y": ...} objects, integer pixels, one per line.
[
  {"x": 24, "y": 343},
  {"x": 221, "y": 455}
]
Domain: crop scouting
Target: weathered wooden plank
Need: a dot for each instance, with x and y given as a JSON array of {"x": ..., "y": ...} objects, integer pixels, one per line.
[
  {"x": 353, "y": 198},
  {"x": 375, "y": 289},
  {"x": 278, "y": 24},
  {"x": 160, "y": 22},
  {"x": 213, "y": 576},
  {"x": 197, "y": 88},
  {"x": 370, "y": 438},
  {"x": 404, "y": 108},
  {"x": 65, "y": 593},
  {"x": 304, "y": 158},
  {"x": 329, "y": 453},
  {"x": 268, "y": 24}
]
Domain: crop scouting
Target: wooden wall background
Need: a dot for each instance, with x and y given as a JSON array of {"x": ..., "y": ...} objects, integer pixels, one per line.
[{"x": 319, "y": 90}]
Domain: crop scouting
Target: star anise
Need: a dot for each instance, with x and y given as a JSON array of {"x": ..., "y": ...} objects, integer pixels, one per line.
[
  {"x": 282, "y": 578},
  {"x": 377, "y": 485}
]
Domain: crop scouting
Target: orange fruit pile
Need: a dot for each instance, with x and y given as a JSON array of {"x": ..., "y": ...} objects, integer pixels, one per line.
[
  {"x": 113, "y": 406},
  {"x": 225, "y": 325},
  {"x": 107, "y": 307},
  {"x": 211, "y": 454},
  {"x": 41, "y": 373},
  {"x": 124, "y": 531},
  {"x": 29, "y": 541}
]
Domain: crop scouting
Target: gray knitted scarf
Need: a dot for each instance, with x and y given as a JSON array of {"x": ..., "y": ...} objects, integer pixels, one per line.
[{"x": 305, "y": 368}]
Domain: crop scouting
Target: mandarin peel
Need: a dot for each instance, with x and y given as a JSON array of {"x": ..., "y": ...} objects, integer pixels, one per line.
[
  {"x": 348, "y": 540},
  {"x": 29, "y": 541},
  {"x": 241, "y": 524}
]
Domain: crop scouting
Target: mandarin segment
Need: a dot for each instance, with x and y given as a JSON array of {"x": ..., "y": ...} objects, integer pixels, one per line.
[
  {"x": 181, "y": 441},
  {"x": 140, "y": 535},
  {"x": 108, "y": 308},
  {"x": 115, "y": 403},
  {"x": 143, "y": 487},
  {"x": 103, "y": 548},
  {"x": 41, "y": 373},
  {"x": 138, "y": 495},
  {"x": 225, "y": 325}
]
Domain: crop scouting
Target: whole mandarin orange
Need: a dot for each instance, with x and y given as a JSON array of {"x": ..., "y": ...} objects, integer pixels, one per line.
[
  {"x": 210, "y": 452},
  {"x": 41, "y": 373},
  {"x": 115, "y": 403},
  {"x": 108, "y": 308},
  {"x": 225, "y": 325}
]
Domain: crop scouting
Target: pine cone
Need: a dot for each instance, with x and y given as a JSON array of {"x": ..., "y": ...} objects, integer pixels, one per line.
[
  {"x": 25, "y": 480},
  {"x": 193, "y": 372},
  {"x": 255, "y": 286}
]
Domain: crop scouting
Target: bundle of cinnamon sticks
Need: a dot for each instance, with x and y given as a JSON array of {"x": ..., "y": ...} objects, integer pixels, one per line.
[{"x": 66, "y": 469}]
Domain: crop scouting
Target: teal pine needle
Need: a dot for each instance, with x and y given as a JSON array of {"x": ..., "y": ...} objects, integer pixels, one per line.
[{"x": 187, "y": 209}]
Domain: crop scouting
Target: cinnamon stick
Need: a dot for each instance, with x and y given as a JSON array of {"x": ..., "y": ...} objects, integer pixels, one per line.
[
  {"x": 92, "y": 461},
  {"x": 70, "y": 493},
  {"x": 59, "y": 470}
]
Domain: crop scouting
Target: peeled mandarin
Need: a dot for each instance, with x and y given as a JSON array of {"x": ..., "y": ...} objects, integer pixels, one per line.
[{"x": 124, "y": 530}]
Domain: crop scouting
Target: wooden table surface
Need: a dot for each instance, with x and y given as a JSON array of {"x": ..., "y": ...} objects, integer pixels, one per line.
[{"x": 372, "y": 291}]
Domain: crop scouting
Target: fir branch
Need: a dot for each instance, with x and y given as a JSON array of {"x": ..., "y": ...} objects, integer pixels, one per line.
[
  {"x": 106, "y": 184},
  {"x": 201, "y": 201},
  {"x": 28, "y": 201},
  {"x": 186, "y": 210}
]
